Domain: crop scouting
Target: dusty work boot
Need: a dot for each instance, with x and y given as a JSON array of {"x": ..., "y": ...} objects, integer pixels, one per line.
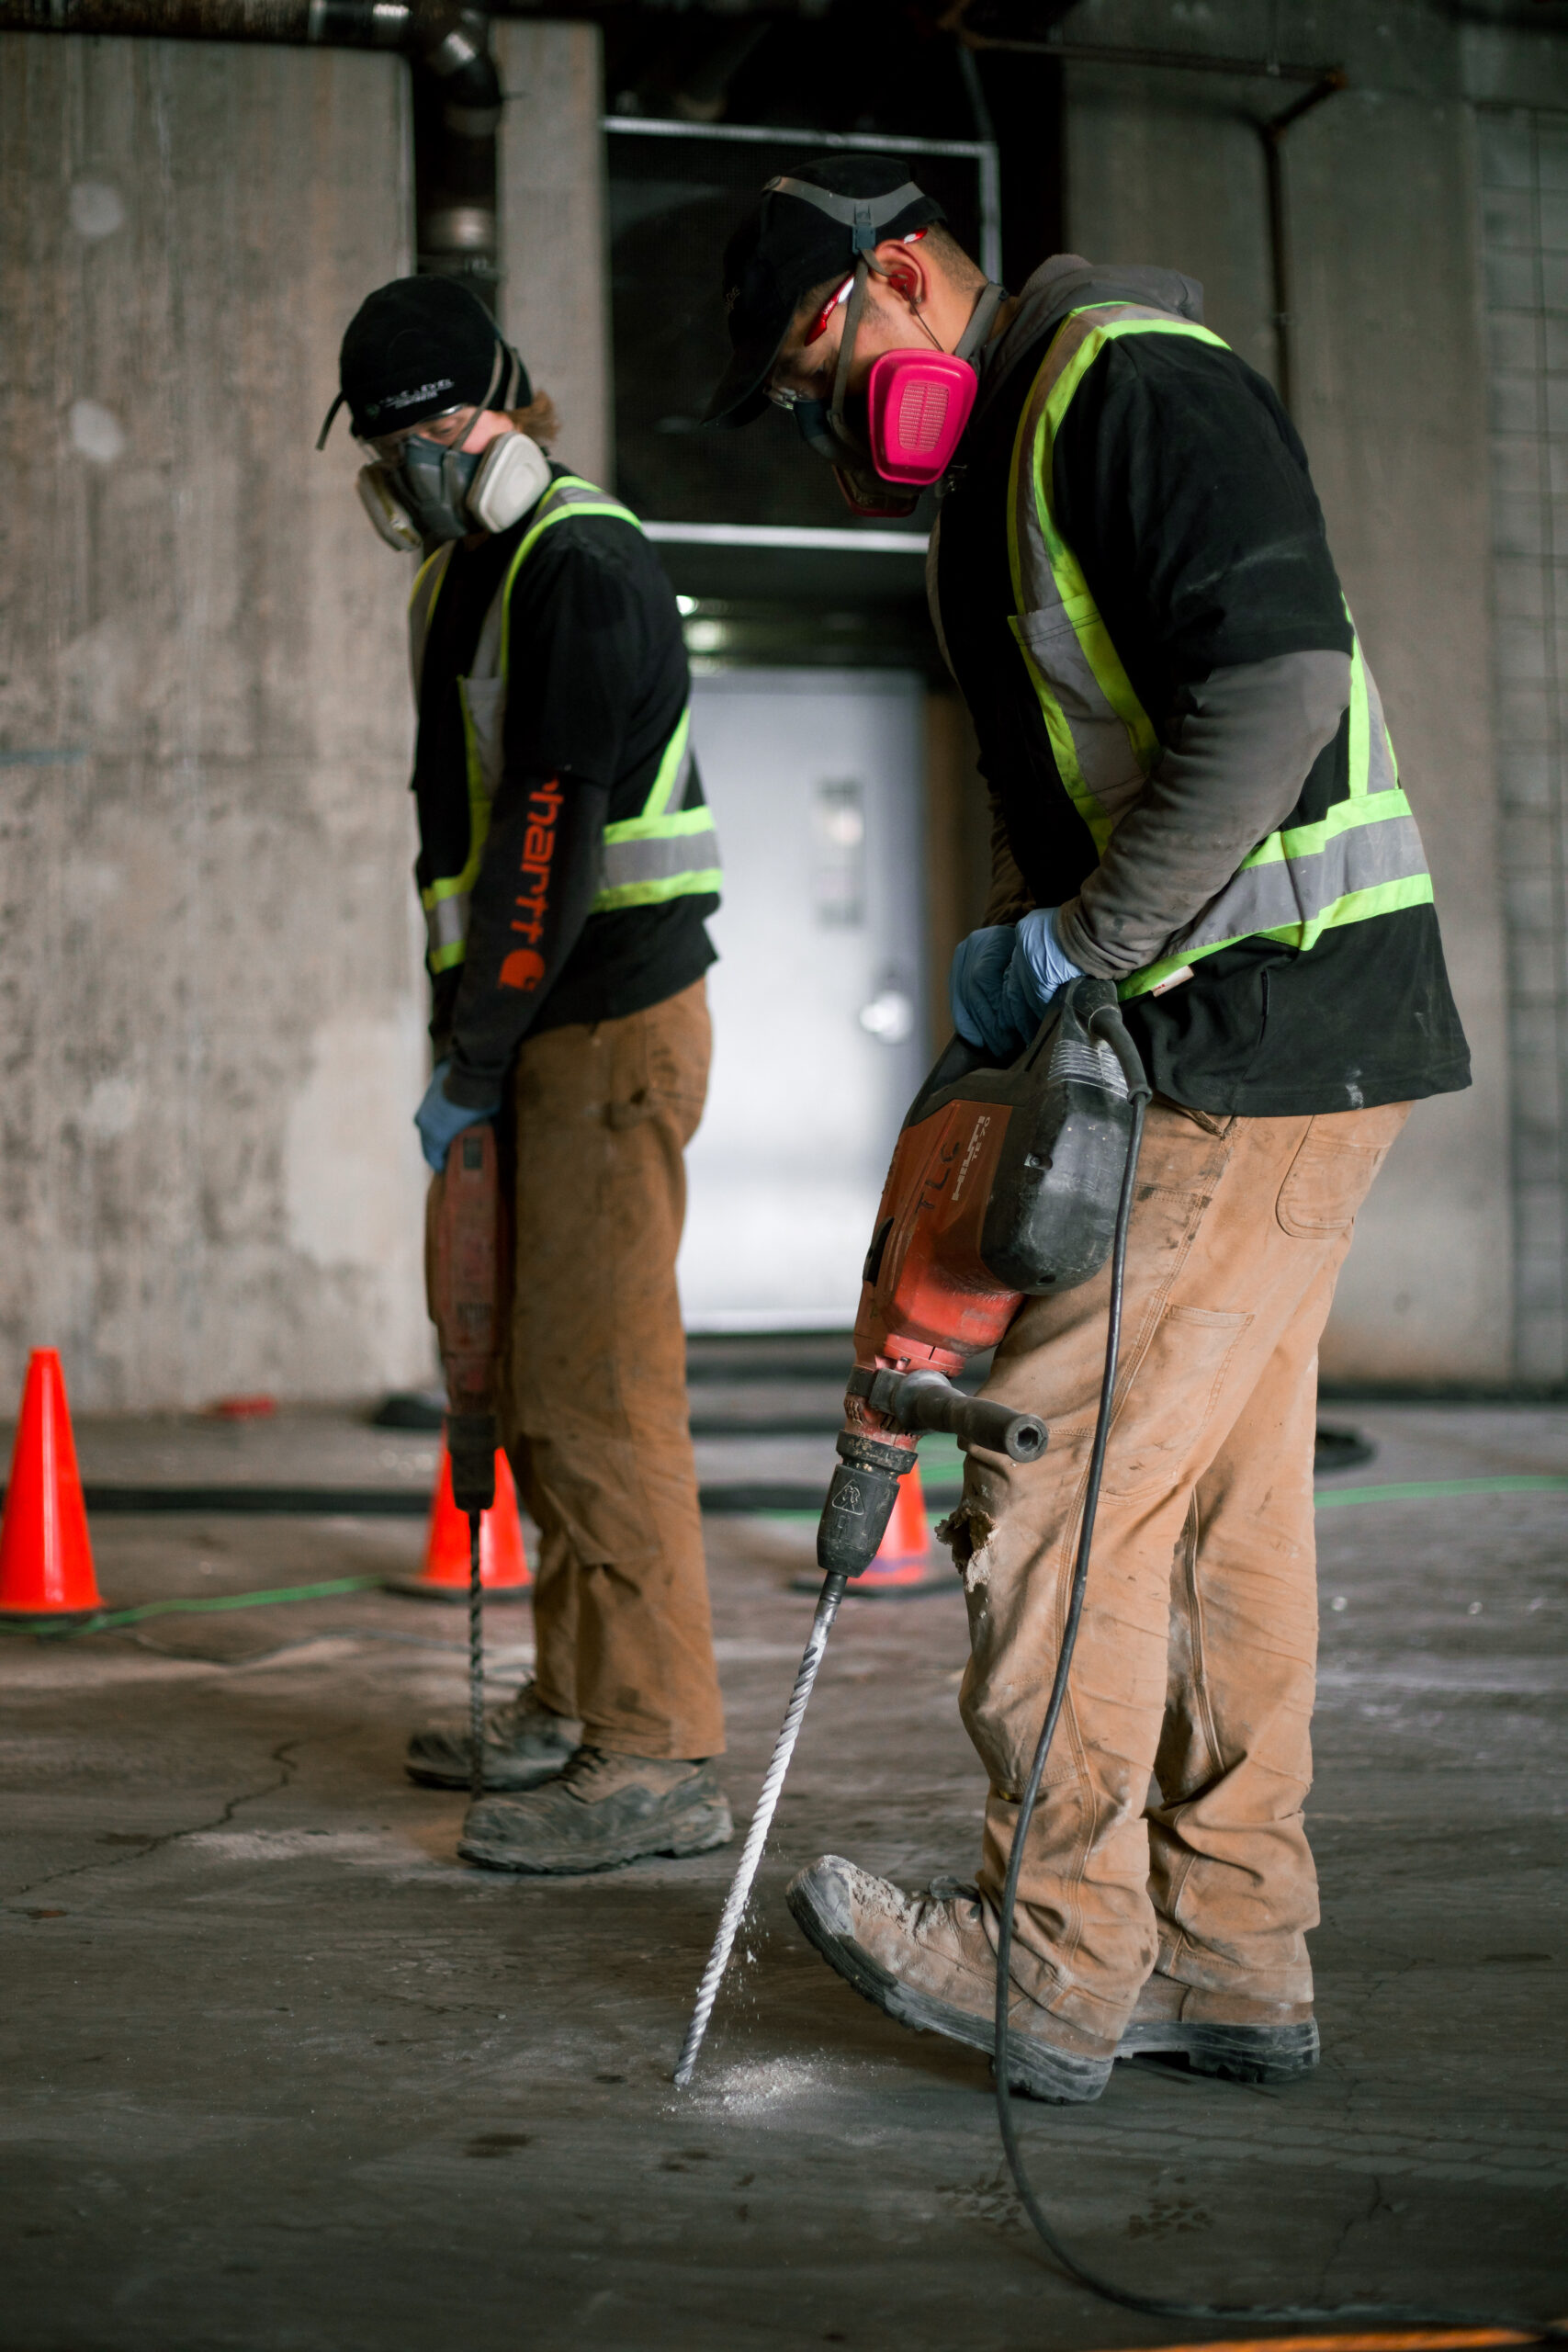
[
  {"x": 602, "y": 1811},
  {"x": 525, "y": 1742},
  {"x": 926, "y": 1959},
  {"x": 1222, "y": 2033}
]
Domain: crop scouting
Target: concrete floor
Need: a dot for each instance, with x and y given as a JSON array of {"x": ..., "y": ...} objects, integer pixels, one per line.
[{"x": 280, "y": 2072}]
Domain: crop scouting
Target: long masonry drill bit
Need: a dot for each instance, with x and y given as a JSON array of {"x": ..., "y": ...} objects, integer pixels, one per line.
[
  {"x": 476, "y": 1661},
  {"x": 761, "y": 1821}
]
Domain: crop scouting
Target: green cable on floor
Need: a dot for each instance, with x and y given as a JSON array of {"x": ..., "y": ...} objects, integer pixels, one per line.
[
  {"x": 1411, "y": 1491},
  {"x": 109, "y": 1621},
  {"x": 1420, "y": 1489}
]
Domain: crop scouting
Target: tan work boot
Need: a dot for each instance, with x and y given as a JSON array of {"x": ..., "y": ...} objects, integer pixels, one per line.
[
  {"x": 600, "y": 1812},
  {"x": 1222, "y": 2033},
  {"x": 927, "y": 1960},
  {"x": 525, "y": 1742}
]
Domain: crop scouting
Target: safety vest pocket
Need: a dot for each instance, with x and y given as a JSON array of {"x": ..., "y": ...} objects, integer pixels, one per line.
[{"x": 1095, "y": 753}]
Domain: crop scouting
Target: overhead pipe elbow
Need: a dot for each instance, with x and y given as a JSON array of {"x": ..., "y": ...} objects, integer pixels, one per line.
[{"x": 452, "y": 44}]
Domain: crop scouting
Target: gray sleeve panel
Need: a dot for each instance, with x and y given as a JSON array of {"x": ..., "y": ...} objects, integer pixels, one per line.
[
  {"x": 1244, "y": 744},
  {"x": 1009, "y": 897}
]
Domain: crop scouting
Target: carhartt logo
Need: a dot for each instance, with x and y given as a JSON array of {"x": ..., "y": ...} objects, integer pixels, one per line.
[
  {"x": 732, "y": 295},
  {"x": 532, "y": 902},
  {"x": 524, "y": 968}
]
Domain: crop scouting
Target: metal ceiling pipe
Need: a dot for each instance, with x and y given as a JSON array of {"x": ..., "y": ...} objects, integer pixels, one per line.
[
  {"x": 456, "y": 91},
  {"x": 456, "y": 112}
]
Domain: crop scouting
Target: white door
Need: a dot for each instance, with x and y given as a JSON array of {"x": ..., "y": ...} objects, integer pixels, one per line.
[{"x": 816, "y": 782}]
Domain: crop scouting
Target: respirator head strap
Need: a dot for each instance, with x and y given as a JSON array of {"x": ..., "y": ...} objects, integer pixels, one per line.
[
  {"x": 988, "y": 302},
  {"x": 501, "y": 355},
  {"x": 852, "y": 318},
  {"x": 862, "y": 215}
]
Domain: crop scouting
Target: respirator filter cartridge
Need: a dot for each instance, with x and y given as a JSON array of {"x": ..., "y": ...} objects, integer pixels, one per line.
[{"x": 920, "y": 403}]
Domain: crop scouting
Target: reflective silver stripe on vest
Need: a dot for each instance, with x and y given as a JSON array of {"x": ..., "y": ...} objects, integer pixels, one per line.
[
  {"x": 447, "y": 924},
  {"x": 1383, "y": 774},
  {"x": 628, "y": 864},
  {"x": 1113, "y": 765},
  {"x": 1298, "y": 892},
  {"x": 1104, "y": 748}
]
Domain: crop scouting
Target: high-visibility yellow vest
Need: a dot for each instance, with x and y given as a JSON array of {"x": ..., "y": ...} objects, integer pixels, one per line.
[
  {"x": 1362, "y": 858},
  {"x": 665, "y": 852}
]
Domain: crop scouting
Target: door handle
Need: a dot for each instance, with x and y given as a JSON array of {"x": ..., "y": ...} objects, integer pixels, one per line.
[{"x": 890, "y": 1015}]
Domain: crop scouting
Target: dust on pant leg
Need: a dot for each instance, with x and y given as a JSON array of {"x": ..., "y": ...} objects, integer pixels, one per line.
[{"x": 967, "y": 1531}]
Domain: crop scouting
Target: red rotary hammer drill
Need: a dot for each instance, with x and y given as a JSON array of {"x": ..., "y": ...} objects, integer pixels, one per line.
[{"x": 1004, "y": 1185}]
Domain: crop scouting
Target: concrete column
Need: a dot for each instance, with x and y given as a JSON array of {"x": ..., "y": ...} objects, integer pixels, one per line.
[
  {"x": 555, "y": 283},
  {"x": 1389, "y": 370},
  {"x": 1392, "y": 409},
  {"x": 212, "y": 1013}
]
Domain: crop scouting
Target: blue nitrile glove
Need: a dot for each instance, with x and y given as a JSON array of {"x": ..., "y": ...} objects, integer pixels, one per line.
[
  {"x": 1037, "y": 971},
  {"x": 438, "y": 1119},
  {"x": 974, "y": 985}
]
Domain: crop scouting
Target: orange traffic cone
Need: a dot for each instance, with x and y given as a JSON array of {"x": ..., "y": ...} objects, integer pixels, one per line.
[
  {"x": 503, "y": 1563},
  {"x": 46, "y": 1559}
]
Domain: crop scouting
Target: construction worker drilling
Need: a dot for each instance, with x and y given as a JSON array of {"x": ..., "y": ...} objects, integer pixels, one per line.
[
  {"x": 1194, "y": 796},
  {"x": 566, "y": 863}
]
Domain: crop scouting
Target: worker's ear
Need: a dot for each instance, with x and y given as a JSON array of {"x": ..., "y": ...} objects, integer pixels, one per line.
[{"x": 905, "y": 270}]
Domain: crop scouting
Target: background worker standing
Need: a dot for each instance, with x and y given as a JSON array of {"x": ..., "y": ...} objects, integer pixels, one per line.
[
  {"x": 567, "y": 861},
  {"x": 1194, "y": 795}
]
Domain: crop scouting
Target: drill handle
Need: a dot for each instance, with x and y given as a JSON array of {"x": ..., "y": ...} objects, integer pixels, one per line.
[
  {"x": 928, "y": 1400},
  {"x": 467, "y": 1255},
  {"x": 1106, "y": 1024}
]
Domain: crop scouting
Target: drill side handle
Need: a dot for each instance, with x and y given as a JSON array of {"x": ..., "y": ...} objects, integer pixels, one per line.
[{"x": 928, "y": 1400}]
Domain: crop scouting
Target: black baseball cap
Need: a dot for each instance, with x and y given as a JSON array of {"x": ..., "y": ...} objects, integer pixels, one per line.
[
  {"x": 791, "y": 243},
  {"x": 418, "y": 347}
]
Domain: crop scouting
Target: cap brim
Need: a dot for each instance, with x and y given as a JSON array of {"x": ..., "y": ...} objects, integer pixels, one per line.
[{"x": 741, "y": 395}]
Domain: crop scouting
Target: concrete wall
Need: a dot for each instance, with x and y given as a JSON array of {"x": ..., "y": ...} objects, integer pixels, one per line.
[
  {"x": 1391, "y": 377},
  {"x": 211, "y": 1026},
  {"x": 210, "y": 967}
]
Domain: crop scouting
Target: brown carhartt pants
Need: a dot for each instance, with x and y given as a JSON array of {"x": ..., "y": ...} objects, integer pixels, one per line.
[
  {"x": 596, "y": 1422},
  {"x": 1197, "y": 1651}
]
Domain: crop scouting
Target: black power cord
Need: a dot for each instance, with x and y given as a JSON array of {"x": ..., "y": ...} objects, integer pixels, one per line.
[{"x": 1107, "y": 1023}]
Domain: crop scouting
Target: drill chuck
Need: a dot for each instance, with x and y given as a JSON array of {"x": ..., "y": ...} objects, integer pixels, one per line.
[
  {"x": 859, "y": 1502},
  {"x": 471, "y": 1440}
]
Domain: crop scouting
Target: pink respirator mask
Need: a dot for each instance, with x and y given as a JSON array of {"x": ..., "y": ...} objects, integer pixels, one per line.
[{"x": 918, "y": 403}]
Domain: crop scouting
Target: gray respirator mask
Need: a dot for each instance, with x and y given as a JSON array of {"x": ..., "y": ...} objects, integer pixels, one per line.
[{"x": 430, "y": 494}]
